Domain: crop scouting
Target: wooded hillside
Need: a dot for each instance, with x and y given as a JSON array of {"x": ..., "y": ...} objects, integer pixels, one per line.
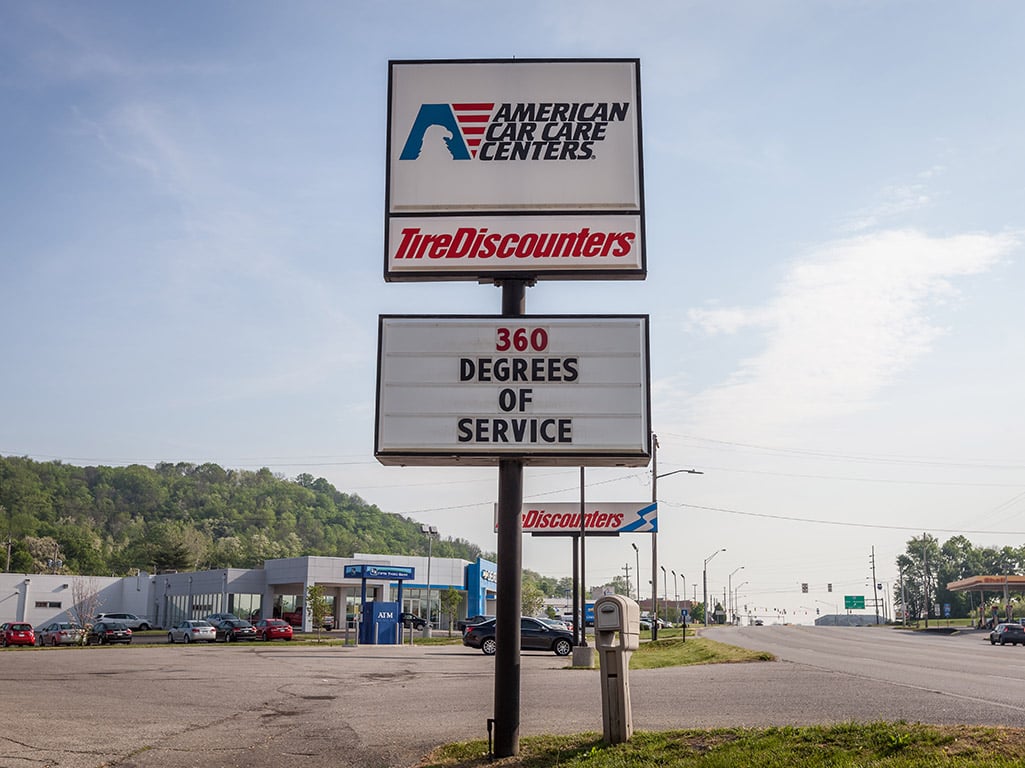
[{"x": 56, "y": 517}]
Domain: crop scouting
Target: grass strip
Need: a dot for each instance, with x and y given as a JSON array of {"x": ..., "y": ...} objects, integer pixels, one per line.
[
  {"x": 847, "y": 745},
  {"x": 696, "y": 650}
]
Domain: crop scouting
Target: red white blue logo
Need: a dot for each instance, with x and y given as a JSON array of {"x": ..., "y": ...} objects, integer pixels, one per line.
[
  {"x": 512, "y": 131},
  {"x": 462, "y": 128}
]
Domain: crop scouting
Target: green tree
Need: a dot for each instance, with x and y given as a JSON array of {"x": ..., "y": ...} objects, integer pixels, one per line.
[
  {"x": 918, "y": 567},
  {"x": 317, "y": 606},
  {"x": 531, "y": 599},
  {"x": 451, "y": 599}
]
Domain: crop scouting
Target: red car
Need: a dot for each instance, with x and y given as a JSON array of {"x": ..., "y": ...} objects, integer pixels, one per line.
[
  {"x": 273, "y": 629},
  {"x": 16, "y": 633}
]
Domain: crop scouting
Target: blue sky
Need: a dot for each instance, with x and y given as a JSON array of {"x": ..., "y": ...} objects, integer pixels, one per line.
[{"x": 190, "y": 263}]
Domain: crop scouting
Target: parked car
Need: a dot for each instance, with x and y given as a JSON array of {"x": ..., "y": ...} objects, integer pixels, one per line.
[
  {"x": 108, "y": 632},
  {"x": 412, "y": 620},
  {"x": 213, "y": 618},
  {"x": 230, "y": 630},
  {"x": 16, "y": 633},
  {"x": 295, "y": 619},
  {"x": 534, "y": 636},
  {"x": 60, "y": 633},
  {"x": 556, "y": 623},
  {"x": 273, "y": 629},
  {"x": 130, "y": 620},
  {"x": 462, "y": 624},
  {"x": 1009, "y": 632},
  {"x": 192, "y": 631}
]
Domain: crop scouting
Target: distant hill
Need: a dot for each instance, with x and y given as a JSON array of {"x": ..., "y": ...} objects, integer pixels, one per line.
[{"x": 113, "y": 520}]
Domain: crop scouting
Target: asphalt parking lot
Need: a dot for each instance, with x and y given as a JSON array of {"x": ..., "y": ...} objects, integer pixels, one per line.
[
  {"x": 248, "y": 704},
  {"x": 268, "y": 705}
]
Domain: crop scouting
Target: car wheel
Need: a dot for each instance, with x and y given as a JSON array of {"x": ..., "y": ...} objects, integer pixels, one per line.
[
  {"x": 1002, "y": 641},
  {"x": 228, "y": 638},
  {"x": 170, "y": 638},
  {"x": 563, "y": 647},
  {"x": 185, "y": 638},
  {"x": 489, "y": 646},
  {"x": 3, "y": 643},
  {"x": 53, "y": 642},
  {"x": 144, "y": 627}
]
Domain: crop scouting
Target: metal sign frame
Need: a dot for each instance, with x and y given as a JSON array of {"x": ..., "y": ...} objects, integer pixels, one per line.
[{"x": 514, "y": 168}]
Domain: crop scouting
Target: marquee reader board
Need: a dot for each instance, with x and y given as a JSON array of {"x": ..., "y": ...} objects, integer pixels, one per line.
[
  {"x": 567, "y": 390},
  {"x": 528, "y": 167}
]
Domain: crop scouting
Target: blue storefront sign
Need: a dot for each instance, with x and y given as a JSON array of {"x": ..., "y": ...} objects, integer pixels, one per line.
[{"x": 398, "y": 573}]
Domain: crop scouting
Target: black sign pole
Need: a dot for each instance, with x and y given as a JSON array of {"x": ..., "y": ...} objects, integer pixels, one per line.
[
  {"x": 510, "y": 559},
  {"x": 583, "y": 567},
  {"x": 578, "y": 624}
]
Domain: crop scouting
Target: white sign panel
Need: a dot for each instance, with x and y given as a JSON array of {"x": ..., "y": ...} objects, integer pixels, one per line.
[
  {"x": 471, "y": 390},
  {"x": 610, "y": 517},
  {"x": 558, "y": 138}
]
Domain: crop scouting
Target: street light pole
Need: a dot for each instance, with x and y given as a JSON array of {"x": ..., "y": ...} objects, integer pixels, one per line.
[
  {"x": 735, "y": 597},
  {"x": 676, "y": 591},
  {"x": 665, "y": 591},
  {"x": 654, "y": 534},
  {"x": 637, "y": 552},
  {"x": 430, "y": 531},
  {"x": 729, "y": 585},
  {"x": 704, "y": 584}
]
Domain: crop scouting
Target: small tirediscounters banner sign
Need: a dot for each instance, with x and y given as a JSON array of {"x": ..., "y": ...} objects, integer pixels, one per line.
[
  {"x": 608, "y": 518},
  {"x": 514, "y": 167},
  {"x": 568, "y": 390}
]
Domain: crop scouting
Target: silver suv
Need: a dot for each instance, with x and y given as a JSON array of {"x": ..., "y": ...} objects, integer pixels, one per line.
[{"x": 132, "y": 621}]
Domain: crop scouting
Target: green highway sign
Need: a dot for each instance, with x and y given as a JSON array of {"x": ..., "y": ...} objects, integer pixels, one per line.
[{"x": 853, "y": 601}]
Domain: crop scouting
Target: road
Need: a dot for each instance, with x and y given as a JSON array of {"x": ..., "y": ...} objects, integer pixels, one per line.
[
  {"x": 262, "y": 705},
  {"x": 962, "y": 667}
]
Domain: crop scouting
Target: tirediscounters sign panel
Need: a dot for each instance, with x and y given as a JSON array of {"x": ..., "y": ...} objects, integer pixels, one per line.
[
  {"x": 548, "y": 390},
  {"x": 608, "y": 518},
  {"x": 514, "y": 167}
]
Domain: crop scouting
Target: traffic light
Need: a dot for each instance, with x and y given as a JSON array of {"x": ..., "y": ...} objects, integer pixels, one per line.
[
  {"x": 829, "y": 587},
  {"x": 804, "y": 586}
]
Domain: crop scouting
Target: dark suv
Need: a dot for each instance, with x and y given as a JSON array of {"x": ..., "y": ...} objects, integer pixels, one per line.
[
  {"x": 1007, "y": 633},
  {"x": 412, "y": 620}
]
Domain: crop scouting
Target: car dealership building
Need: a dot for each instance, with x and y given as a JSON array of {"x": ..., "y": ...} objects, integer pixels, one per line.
[{"x": 276, "y": 589}]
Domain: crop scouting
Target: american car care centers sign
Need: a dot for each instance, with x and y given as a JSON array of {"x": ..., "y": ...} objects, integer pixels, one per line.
[{"x": 514, "y": 170}]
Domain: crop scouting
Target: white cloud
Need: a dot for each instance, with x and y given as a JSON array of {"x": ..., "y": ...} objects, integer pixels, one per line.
[{"x": 847, "y": 321}]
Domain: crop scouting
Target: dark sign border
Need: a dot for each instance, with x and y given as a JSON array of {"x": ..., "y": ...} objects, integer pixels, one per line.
[{"x": 569, "y": 458}]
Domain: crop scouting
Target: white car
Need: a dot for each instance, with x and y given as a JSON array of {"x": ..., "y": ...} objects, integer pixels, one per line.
[
  {"x": 192, "y": 631},
  {"x": 130, "y": 620}
]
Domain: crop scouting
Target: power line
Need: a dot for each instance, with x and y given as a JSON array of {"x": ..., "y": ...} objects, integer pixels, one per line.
[
  {"x": 877, "y": 526},
  {"x": 868, "y": 458}
]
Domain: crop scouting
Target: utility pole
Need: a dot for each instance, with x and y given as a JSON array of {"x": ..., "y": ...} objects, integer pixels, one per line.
[
  {"x": 925, "y": 579},
  {"x": 627, "y": 569},
  {"x": 654, "y": 540},
  {"x": 875, "y": 584}
]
